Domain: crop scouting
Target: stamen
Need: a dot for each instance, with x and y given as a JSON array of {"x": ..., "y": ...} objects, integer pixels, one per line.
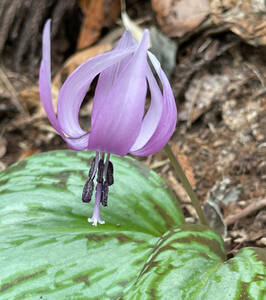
[
  {"x": 94, "y": 165},
  {"x": 106, "y": 165},
  {"x": 96, "y": 211},
  {"x": 110, "y": 174},
  {"x": 89, "y": 185},
  {"x": 92, "y": 168},
  {"x": 104, "y": 170},
  {"x": 88, "y": 191},
  {"x": 100, "y": 171},
  {"x": 104, "y": 195},
  {"x": 108, "y": 171}
]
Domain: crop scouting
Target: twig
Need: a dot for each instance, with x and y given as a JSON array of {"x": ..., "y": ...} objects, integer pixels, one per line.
[
  {"x": 13, "y": 93},
  {"x": 158, "y": 164},
  {"x": 252, "y": 208}
]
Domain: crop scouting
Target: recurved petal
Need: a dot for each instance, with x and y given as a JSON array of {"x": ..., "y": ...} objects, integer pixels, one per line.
[
  {"x": 126, "y": 41},
  {"x": 167, "y": 123},
  {"x": 45, "y": 78},
  {"x": 117, "y": 126},
  {"x": 153, "y": 115},
  {"x": 76, "y": 86},
  {"x": 108, "y": 76},
  {"x": 79, "y": 143}
]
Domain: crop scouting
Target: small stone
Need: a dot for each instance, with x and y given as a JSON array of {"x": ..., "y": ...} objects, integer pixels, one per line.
[{"x": 242, "y": 204}]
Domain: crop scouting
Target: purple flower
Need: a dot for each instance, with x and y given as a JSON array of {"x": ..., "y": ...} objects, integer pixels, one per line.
[{"x": 119, "y": 124}]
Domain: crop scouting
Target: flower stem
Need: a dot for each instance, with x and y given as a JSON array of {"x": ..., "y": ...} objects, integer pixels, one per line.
[{"x": 182, "y": 177}]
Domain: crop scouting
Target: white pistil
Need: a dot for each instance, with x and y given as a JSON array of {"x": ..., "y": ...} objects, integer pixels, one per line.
[{"x": 96, "y": 211}]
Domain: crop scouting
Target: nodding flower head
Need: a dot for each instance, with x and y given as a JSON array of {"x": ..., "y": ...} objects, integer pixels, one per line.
[{"x": 119, "y": 124}]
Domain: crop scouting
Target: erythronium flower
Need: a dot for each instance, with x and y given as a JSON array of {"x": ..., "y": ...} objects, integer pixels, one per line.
[{"x": 119, "y": 124}]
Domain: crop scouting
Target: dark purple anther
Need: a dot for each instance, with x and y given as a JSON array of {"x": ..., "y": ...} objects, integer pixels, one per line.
[
  {"x": 92, "y": 169},
  {"x": 110, "y": 174},
  {"x": 104, "y": 195},
  {"x": 87, "y": 191},
  {"x": 100, "y": 171}
]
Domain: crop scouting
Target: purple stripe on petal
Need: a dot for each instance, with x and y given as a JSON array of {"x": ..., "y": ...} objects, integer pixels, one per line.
[
  {"x": 118, "y": 124},
  {"x": 76, "y": 86},
  {"x": 168, "y": 118}
]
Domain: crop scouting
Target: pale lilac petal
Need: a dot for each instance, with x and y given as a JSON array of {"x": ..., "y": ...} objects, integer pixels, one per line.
[
  {"x": 45, "y": 92},
  {"x": 109, "y": 76},
  {"x": 126, "y": 41},
  {"x": 76, "y": 86},
  {"x": 80, "y": 143},
  {"x": 168, "y": 118},
  {"x": 153, "y": 115},
  {"x": 45, "y": 78},
  {"x": 117, "y": 126}
]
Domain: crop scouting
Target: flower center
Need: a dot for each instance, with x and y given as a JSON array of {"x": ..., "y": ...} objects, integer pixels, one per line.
[{"x": 104, "y": 169}]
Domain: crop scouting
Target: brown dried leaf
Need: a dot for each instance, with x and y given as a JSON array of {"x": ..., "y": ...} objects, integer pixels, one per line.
[
  {"x": 28, "y": 151},
  {"x": 179, "y": 17},
  {"x": 97, "y": 14},
  {"x": 246, "y": 18},
  {"x": 178, "y": 188},
  {"x": 202, "y": 91},
  {"x": 185, "y": 164},
  {"x": 182, "y": 194},
  {"x": 31, "y": 97}
]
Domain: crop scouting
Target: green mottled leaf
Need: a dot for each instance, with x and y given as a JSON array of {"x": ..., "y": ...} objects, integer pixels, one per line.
[
  {"x": 188, "y": 263},
  {"x": 144, "y": 251},
  {"x": 47, "y": 246}
]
